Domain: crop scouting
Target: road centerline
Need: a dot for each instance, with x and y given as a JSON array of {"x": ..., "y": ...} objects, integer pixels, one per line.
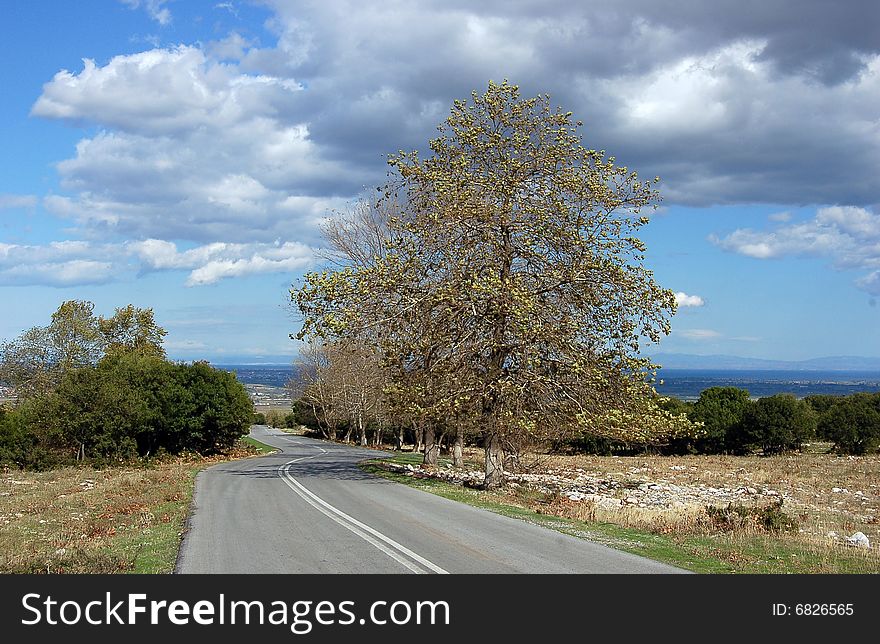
[{"x": 397, "y": 551}]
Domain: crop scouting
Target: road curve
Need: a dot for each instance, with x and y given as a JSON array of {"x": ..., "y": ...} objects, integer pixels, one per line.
[{"x": 309, "y": 509}]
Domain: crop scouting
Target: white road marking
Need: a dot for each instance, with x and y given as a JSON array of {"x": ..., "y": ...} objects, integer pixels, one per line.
[{"x": 389, "y": 546}]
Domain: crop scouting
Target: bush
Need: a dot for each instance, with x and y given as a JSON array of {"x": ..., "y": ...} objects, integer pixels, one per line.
[
  {"x": 129, "y": 405},
  {"x": 258, "y": 419},
  {"x": 853, "y": 424},
  {"x": 721, "y": 410},
  {"x": 774, "y": 424},
  {"x": 768, "y": 518}
]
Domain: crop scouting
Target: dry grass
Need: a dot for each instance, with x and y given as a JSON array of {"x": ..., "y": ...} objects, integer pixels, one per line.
[
  {"x": 805, "y": 483},
  {"x": 87, "y": 520}
]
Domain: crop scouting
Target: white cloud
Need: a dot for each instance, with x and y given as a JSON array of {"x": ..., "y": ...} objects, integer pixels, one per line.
[
  {"x": 208, "y": 143},
  {"x": 782, "y": 217},
  {"x": 9, "y": 201},
  {"x": 242, "y": 143},
  {"x": 197, "y": 151},
  {"x": 213, "y": 262},
  {"x": 870, "y": 282},
  {"x": 683, "y": 299},
  {"x": 848, "y": 236},
  {"x": 153, "y": 8},
  {"x": 698, "y": 334},
  {"x": 70, "y": 263}
]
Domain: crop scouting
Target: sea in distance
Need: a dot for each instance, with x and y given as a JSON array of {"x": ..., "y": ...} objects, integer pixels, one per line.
[{"x": 685, "y": 384}]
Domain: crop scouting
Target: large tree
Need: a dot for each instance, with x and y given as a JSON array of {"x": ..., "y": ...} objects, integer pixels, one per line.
[
  {"x": 513, "y": 287},
  {"x": 132, "y": 330},
  {"x": 36, "y": 361}
]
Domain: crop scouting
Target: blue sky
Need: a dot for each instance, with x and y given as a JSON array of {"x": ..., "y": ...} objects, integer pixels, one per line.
[{"x": 181, "y": 155}]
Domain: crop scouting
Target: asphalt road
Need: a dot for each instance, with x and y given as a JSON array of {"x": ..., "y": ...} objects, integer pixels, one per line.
[{"x": 310, "y": 509}]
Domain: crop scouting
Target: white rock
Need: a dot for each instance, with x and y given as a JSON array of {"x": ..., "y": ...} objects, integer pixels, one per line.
[{"x": 859, "y": 540}]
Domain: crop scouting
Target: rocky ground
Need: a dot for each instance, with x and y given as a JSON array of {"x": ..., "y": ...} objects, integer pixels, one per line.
[{"x": 832, "y": 497}]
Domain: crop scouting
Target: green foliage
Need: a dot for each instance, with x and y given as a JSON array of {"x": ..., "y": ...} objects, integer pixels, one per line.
[
  {"x": 275, "y": 418},
  {"x": 721, "y": 411},
  {"x": 38, "y": 360},
  {"x": 128, "y": 405},
  {"x": 258, "y": 418},
  {"x": 132, "y": 330},
  {"x": 853, "y": 423},
  {"x": 774, "y": 424}
]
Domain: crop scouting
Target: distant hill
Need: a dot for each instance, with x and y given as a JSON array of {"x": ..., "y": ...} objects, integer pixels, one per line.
[{"x": 831, "y": 363}]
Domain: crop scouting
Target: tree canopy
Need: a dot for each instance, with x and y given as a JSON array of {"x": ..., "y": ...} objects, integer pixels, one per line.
[{"x": 509, "y": 290}]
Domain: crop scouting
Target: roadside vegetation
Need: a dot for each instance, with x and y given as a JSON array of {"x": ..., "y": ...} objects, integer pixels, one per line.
[
  {"x": 495, "y": 290},
  {"x": 83, "y": 519},
  {"x": 100, "y": 446},
  {"x": 100, "y": 391}
]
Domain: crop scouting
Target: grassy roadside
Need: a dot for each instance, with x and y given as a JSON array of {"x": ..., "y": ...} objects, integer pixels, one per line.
[
  {"x": 700, "y": 550},
  {"x": 126, "y": 519},
  {"x": 260, "y": 448}
]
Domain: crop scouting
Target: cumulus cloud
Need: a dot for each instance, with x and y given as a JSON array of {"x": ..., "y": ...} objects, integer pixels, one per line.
[
  {"x": 213, "y": 262},
  {"x": 71, "y": 263},
  {"x": 685, "y": 300},
  {"x": 66, "y": 263},
  {"x": 241, "y": 141},
  {"x": 195, "y": 150},
  {"x": 848, "y": 236},
  {"x": 226, "y": 147}
]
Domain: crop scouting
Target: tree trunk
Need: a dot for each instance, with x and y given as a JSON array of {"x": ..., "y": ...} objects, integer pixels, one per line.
[
  {"x": 380, "y": 430},
  {"x": 419, "y": 430},
  {"x": 432, "y": 448},
  {"x": 494, "y": 461},
  {"x": 458, "y": 447},
  {"x": 347, "y": 438},
  {"x": 400, "y": 438},
  {"x": 362, "y": 430},
  {"x": 331, "y": 432}
]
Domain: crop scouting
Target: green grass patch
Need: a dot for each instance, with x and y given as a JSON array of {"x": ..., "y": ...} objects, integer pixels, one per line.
[{"x": 261, "y": 448}]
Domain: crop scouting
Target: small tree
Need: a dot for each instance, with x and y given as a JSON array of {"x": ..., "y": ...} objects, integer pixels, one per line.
[
  {"x": 721, "y": 410},
  {"x": 36, "y": 361},
  {"x": 775, "y": 424},
  {"x": 853, "y": 423}
]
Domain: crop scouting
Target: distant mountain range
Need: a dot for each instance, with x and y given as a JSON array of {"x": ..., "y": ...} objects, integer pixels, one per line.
[{"x": 831, "y": 363}]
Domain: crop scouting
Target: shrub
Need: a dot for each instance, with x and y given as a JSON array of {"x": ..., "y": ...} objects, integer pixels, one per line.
[
  {"x": 769, "y": 518},
  {"x": 721, "y": 410},
  {"x": 774, "y": 424},
  {"x": 853, "y": 424}
]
